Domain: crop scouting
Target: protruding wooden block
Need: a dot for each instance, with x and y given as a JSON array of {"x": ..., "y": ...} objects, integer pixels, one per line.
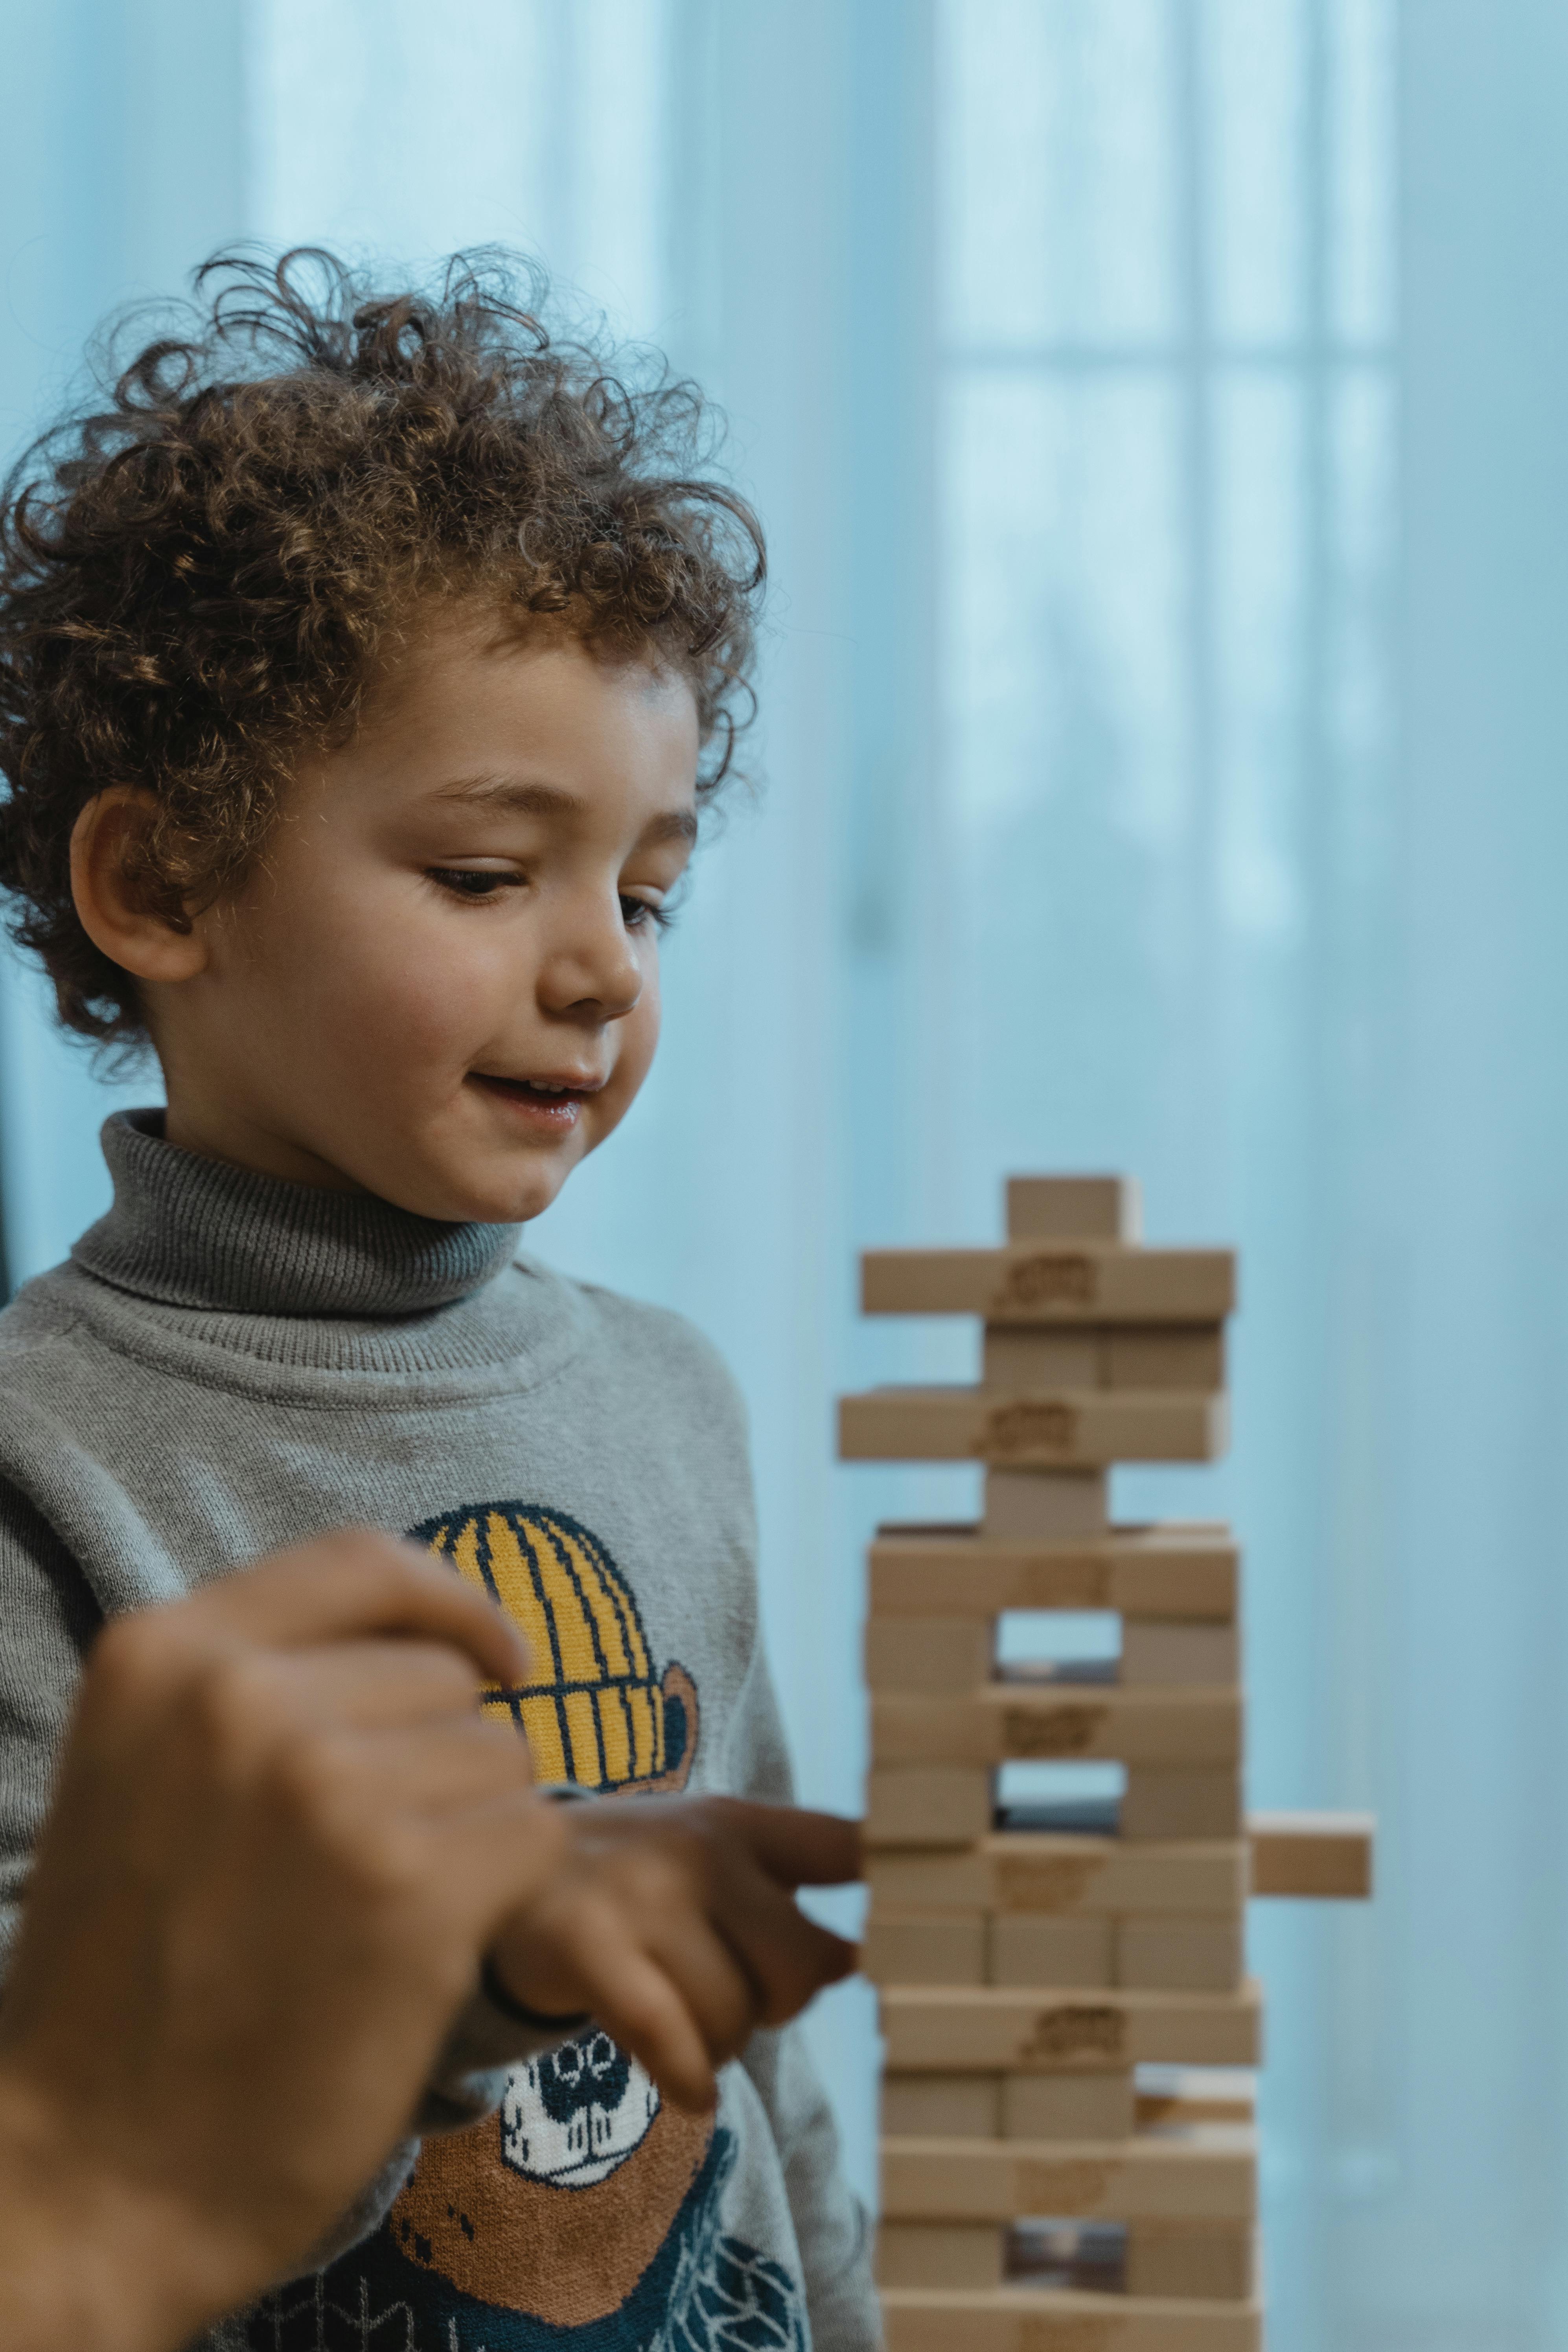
[
  {"x": 927, "y": 1653},
  {"x": 1207, "y": 2262},
  {"x": 1187, "y": 1571},
  {"x": 913, "y": 1947},
  {"x": 1026, "y": 1950},
  {"x": 1325, "y": 1854},
  {"x": 928, "y": 1805},
  {"x": 1205, "y": 2176},
  {"x": 1045, "y": 1505},
  {"x": 1196, "y": 2095},
  {"x": 1015, "y": 1722},
  {"x": 1031, "y": 1282},
  {"x": 1164, "y": 1356},
  {"x": 1185, "y": 1955},
  {"x": 1084, "y": 1431},
  {"x": 1026, "y": 1871},
  {"x": 1068, "y": 2107},
  {"x": 1027, "y": 2319},
  {"x": 1020, "y": 1357},
  {"x": 939, "y": 2028},
  {"x": 1074, "y": 1208},
  {"x": 939, "y": 2254},
  {"x": 956, "y": 2107},
  {"x": 1170, "y": 1800}
]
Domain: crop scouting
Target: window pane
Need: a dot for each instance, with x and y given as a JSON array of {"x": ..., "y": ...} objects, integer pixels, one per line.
[
  {"x": 1067, "y": 721},
  {"x": 1058, "y": 198},
  {"x": 1253, "y": 166},
  {"x": 1361, "y": 174}
]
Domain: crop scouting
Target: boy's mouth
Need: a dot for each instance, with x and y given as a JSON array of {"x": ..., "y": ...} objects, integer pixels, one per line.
[{"x": 556, "y": 1103}]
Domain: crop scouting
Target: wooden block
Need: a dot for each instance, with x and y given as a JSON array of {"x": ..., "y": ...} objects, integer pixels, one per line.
[
  {"x": 1176, "y": 2259},
  {"x": 1086, "y": 1430},
  {"x": 927, "y": 1804},
  {"x": 1210, "y": 2174},
  {"x": 1085, "y": 1282},
  {"x": 1028, "y": 1949},
  {"x": 939, "y": 2254},
  {"x": 1026, "y": 1871},
  {"x": 930, "y": 1654},
  {"x": 1185, "y": 1955},
  {"x": 1028, "y": 2319},
  {"x": 1067, "y": 2106},
  {"x": 1196, "y": 2095},
  {"x": 1008, "y": 1722},
  {"x": 1045, "y": 1505},
  {"x": 1020, "y": 1357},
  {"x": 1311, "y": 1854},
  {"x": 1074, "y": 1208},
  {"x": 957, "y": 2106},
  {"x": 1170, "y": 1800},
  {"x": 1159, "y": 1571},
  {"x": 913, "y": 1947},
  {"x": 1174, "y": 1651},
  {"x": 939, "y": 2028},
  {"x": 1164, "y": 1356}
]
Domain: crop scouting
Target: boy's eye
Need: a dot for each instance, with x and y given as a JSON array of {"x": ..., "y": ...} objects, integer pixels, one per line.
[
  {"x": 639, "y": 914},
  {"x": 470, "y": 882}
]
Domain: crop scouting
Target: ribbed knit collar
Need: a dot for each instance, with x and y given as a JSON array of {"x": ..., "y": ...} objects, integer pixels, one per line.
[{"x": 191, "y": 1231}]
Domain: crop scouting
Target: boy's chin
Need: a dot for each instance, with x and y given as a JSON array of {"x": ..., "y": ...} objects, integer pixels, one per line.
[{"x": 509, "y": 1194}]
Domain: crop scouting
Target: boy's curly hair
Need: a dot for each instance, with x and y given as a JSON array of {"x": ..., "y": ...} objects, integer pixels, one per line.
[{"x": 199, "y": 575}]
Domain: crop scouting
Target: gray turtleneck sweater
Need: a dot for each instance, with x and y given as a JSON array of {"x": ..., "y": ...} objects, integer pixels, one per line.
[{"x": 229, "y": 1364}]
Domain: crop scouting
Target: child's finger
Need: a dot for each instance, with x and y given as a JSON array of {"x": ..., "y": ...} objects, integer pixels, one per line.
[
  {"x": 715, "y": 1982},
  {"x": 798, "y": 1848},
  {"x": 631, "y": 1997},
  {"x": 789, "y": 1958}
]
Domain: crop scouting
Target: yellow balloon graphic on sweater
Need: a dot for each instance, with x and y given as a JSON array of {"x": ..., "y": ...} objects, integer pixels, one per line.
[{"x": 594, "y": 1709}]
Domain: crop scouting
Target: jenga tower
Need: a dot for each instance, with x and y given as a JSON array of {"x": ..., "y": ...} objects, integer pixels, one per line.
[{"x": 1037, "y": 2195}]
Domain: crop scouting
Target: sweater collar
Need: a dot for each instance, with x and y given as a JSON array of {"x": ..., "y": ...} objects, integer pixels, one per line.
[{"x": 191, "y": 1231}]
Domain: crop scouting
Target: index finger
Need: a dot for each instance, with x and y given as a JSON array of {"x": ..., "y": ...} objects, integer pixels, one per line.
[
  {"x": 797, "y": 1848},
  {"x": 344, "y": 1586}
]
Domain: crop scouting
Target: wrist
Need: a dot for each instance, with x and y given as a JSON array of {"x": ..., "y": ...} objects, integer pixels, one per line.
[{"x": 86, "y": 2257}]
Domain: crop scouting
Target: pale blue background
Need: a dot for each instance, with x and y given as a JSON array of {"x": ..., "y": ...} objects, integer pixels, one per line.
[{"x": 1160, "y": 409}]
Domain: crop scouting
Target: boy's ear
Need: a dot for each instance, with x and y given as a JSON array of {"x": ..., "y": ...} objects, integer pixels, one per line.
[{"x": 111, "y": 907}]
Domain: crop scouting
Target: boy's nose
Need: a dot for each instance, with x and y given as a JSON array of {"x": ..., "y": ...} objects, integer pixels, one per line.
[{"x": 595, "y": 965}]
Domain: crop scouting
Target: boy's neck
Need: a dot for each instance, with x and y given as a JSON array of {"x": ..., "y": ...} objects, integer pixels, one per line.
[{"x": 215, "y": 1129}]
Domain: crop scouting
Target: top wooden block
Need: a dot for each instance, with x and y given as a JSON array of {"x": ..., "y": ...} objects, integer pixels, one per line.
[
  {"x": 1081, "y": 1282},
  {"x": 1074, "y": 1209}
]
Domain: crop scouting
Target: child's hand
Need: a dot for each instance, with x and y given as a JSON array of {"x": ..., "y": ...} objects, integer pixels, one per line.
[{"x": 670, "y": 1922}]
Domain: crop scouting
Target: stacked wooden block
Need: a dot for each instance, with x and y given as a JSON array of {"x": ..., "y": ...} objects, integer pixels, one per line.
[{"x": 1037, "y": 2193}]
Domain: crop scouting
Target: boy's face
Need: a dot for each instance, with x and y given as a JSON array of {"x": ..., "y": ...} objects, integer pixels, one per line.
[{"x": 442, "y": 983}]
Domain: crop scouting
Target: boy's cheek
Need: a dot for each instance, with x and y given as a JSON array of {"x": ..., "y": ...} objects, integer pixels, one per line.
[{"x": 409, "y": 997}]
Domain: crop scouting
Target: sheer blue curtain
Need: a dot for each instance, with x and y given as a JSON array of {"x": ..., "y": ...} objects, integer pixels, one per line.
[{"x": 1159, "y": 411}]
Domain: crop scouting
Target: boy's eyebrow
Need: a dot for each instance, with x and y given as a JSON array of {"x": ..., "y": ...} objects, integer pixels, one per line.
[{"x": 518, "y": 799}]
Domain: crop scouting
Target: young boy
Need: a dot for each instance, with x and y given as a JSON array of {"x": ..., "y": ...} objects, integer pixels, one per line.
[{"x": 362, "y": 671}]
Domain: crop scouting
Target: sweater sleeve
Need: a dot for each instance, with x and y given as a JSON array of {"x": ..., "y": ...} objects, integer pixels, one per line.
[{"x": 831, "y": 2225}]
